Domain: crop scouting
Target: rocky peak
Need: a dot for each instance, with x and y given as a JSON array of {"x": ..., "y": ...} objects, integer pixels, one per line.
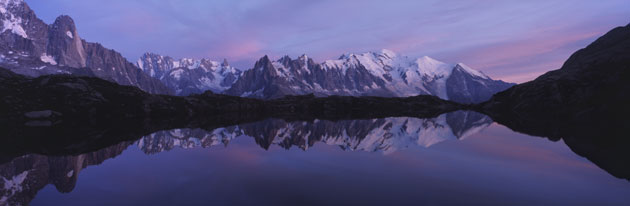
[
  {"x": 207, "y": 63},
  {"x": 65, "y": 45},
  {"x": 343, "y": 56},
  {"x": 285, "y": 60},
  {"x": 388, "y": 53},
  {"x": 429, "y": 60},
  {"x": 150, "y": 55},
  {"x": 37, "y": 48},
  {"x": 303, "y": 57},
  {"x": 8, "y": 4},
  {"x": 348, "y": 56},
  {"x": 467, "y": 69},
  {"x": 154, "y": 64},
  {"x": 263, "y": 62},
  {"x": 188, "y": 75},
  {"x": 305, "y": 61},
  {"x": 64, "y": 22},
  {"x": 225, "y": 63}
]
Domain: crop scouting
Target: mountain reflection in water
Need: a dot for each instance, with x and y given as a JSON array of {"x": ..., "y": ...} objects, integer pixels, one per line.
[
  {"x": 374, "y": 135},
  {"x": 23, "y": 177}
]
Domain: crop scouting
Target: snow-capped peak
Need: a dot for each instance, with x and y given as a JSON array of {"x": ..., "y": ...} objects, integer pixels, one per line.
[
  {"x": 472, "y": 71},
  {"x": 432, "y": 67},
  {"x": 376, "y": 73},
  {"x": 386, "y": 61},
  {"x": 405, "y": 76},
  {"x": 388, "y": 53},
  {"x": 189, "y": 75},
  {"x": 426, "y": 60}
]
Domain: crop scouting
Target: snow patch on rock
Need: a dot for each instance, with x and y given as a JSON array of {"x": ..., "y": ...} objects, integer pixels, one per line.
[
  {"x": 48, "y": 59},
  {"x": 14, "y": 25},
  {"x": 177, "y": 74},
  {"x": 6, "y": 4},
  {"x": 11, "y": 22},
  {"x": 13, "y": 185},
  {"x": 472, "y": 71}
]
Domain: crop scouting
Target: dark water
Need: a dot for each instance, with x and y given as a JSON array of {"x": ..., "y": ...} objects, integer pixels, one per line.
[{"x": 456, "y": 158}]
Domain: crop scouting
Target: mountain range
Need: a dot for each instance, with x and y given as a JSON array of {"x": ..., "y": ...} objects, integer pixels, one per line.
[
  {"x": 383, "y": 73},
  {"x": 385, "y": 135},
  {"x": 189, "y": 76},
  {"x": 31, "y": 47}
]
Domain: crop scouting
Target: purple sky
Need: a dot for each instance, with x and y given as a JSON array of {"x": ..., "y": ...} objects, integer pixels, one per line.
[{"x": 510, "y": 40}]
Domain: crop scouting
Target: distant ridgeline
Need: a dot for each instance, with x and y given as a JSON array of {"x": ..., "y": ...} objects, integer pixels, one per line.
[
  {"x": 31, "y": 47},
  {"x": 382, "y": 73}
]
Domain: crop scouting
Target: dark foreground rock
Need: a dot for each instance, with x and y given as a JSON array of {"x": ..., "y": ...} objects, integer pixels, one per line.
[
  {"x": 73, "y": 98},
  {"x": 591, "y": 88},
  {"x": 585, "y": 103},
  {"x": 66, "y": 105}
]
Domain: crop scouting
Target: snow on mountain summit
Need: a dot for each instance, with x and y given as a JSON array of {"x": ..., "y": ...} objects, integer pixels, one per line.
[
  {"x": 382, "y": 73},
  {"x": 388, "y": 53},
  {"x": 472, "y": 71},
  {"x": 187, "y": 75}
]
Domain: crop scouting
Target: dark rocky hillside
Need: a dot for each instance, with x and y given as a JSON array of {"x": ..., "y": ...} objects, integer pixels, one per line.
[
  {"x": 72, "y": 98},
  {"x": 591, "y": 87},
  {"x": 584, "y": 103}
]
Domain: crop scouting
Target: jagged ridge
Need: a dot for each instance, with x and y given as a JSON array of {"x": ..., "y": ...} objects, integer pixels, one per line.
[
  {"x": 370, "y": 74},
  {"x": 31, "y": 47}
]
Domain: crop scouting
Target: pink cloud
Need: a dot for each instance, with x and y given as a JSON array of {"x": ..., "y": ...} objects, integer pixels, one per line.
[
  {"x": 523, "y": 59},
  {"x": 237, "y": 50}
]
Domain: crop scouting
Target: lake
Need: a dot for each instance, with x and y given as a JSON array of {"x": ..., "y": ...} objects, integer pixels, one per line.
[{"x": 455, "y": 158}]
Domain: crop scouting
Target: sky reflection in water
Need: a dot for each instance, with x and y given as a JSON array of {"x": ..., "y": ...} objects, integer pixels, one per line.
[{"x": 495, "y": 165}]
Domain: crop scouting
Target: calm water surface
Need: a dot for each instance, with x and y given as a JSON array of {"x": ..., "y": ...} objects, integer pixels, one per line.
[{"x": 455, "y": 158}]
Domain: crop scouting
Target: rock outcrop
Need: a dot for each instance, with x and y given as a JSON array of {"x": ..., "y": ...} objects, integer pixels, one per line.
[{"x": 31, "y": 47}]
